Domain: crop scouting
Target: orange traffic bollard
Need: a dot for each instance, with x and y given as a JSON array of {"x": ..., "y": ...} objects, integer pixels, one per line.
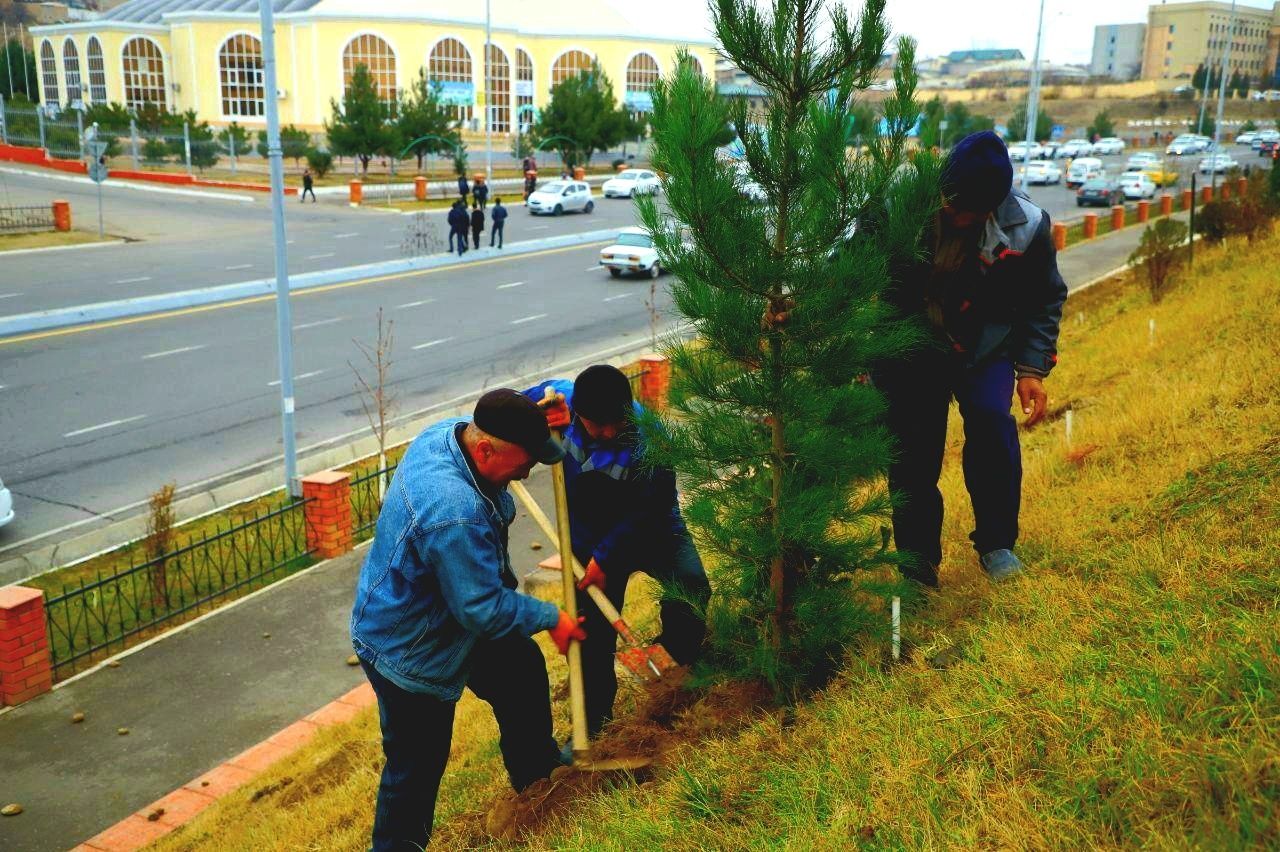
[
  {"x": 1187, "y": 197},
  {"x": 1224, "y": 192},
  {"x": 1206, "y": 194},
  {"x": 1090, "y": 225},
  {"x": 579, "y": 173},
  {"x": 1166, "y": 204},
  {"x": 1117, "y": 217},
  {"x": 356, "y": 192},
  {"x": 1242, "y": 186},
  {"x": 1144, "y": 210},
  {"x": 61, "y": 215},
  {"x": 420, "y": 188},
  {"x": 1059, "y": 236}
]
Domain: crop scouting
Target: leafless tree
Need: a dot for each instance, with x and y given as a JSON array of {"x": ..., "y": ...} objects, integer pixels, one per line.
[{"x": 376, "y": 396}]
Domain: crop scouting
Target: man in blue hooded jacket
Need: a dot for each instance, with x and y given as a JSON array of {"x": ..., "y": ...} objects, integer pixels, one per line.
[
  {"x": 991, "y": 297},
  {"x": 624, "y": 518},
  {"x": 437, "y": 609}
]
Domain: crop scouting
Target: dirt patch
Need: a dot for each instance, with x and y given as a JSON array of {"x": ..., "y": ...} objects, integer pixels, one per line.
[{"x": 671, "y": 714}]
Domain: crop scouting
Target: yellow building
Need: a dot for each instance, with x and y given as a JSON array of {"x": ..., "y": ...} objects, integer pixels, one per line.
[
  {"x": 205, "y": 55},
  {"x": 1181, "y": 36}
]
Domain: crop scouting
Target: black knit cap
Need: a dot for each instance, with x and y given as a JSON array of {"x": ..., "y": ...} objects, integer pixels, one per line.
[
  {"x": 512, "y": 416},
  {"x": 978, "y": 174},
  {"x": 602, "y": 394}
]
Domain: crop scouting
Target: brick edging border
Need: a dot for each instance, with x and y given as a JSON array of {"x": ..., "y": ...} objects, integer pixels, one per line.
[{"x": 179, "y": 807}]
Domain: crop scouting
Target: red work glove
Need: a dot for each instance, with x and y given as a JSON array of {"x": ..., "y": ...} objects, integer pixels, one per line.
[
  {"x": 566, "y": 630},
  {"x": 592, "y": 576},
  {"x": 557, "y": 413}
]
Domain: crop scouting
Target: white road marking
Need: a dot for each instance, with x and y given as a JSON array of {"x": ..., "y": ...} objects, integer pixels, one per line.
[
  {"x": 538, "y": 228},
  {"x": 415, "y": 304},
  {"x": 512, "y": 284},
  {"x": 318, "y": 323},
  {"x": 9, "y": 295},
  {"x": 134, "y": 280},
  {"x": 319, "y": 256},
  {"x": 523, "y": 320},
  {"x": 238, "y": 266},
  {"x": 345, "y": 236},
  {"x": 431, "y": 343},
  {"x": 593, "y": 268},
  {"x": 617, "y": 297},
  {"x": 288, "y": 242},
  {"x": 173, "y": 352},
  {"x": 297, "y": 378},
  {"x": 107, "y": 425},
  {"x": 391, "y": 246}
]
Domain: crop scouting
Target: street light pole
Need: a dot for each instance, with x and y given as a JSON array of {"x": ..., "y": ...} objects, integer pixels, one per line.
[
  {"x": 488, "y": 103},
  {"x": 1222, "y": 96},
  {"x": 1033, "y": 97},
  {"x": 284, "y": 322}
]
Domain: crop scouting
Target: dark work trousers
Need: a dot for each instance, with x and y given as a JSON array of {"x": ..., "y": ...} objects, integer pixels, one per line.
[
  {"x": 475, "y": 237},
  {"x": 462, "y": 240},
  {"x": 675, "y": 561},
  {"x": 308, "y": 191},
  {"x": 919, "y": 391},
  {"x": 495, "y": 233},
  {"x": 417, "y": 731}
]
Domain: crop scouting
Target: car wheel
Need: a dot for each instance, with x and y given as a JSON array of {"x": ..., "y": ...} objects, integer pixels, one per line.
[
  {"x": 559, "y": 209},
  {"x": 616, "y": 273},
  {"x": 591, "y": 205},
  {"x": 655, "y": 270}
]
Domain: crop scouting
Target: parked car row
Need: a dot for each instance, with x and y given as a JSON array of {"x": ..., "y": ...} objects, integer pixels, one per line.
[{"x": 1070, "y": 149}]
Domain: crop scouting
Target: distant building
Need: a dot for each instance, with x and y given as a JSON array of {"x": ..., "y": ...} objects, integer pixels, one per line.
[
  {"x": 1117, "y": 51},
  {"x": 962, "y": 63},
  {"x": 1181, "y": 36}
]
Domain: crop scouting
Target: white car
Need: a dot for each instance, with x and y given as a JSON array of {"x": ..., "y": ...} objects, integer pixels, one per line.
[
  {"x": 1083, "y": 169},
  {"x": 1264, "y": 136},
  {"x": 631, "y": 182},
  {"x": 748, "y": 187},
  {"x": 1219, "y": 163},
  {"x": 1021, "y": 151},
  {"x": 1140, "y": 161},
  {"x": 1075, "y": 148},
  {"x": 6, "y": 505},
  {"x": 1247, "y": 137},
  {"x": 1187, "y": 143},
  {"x": 1042, "y": 172},
  {"x": 1107, "y": 145},
  {"x": 633, "y": 251},
  {"x": 560, "y": 196},
  {"x": 1137, "y": 185}
]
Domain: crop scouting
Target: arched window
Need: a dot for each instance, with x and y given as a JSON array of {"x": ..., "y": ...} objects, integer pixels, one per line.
[
  {"x": 497, "y": 72},
  {"x": 97, "y": 71},
  {"x": 49, "y": 74},
  {"x": 642, "y": 73},
  {"x": 71, "y": 69},
  {"x": 696, "y": 65},
  {"x": 143, "y": 74},
  {"x": 375, "y": 54},
  {"x": 240, "y": 70},
  {"x": 524, "y": 86},
  {"x": 450, "y": 65},
  {"x": 567, "y": 65}
]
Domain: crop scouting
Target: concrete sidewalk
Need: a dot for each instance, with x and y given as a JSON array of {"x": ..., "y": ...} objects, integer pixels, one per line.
[{"x": 200, "y": 696}]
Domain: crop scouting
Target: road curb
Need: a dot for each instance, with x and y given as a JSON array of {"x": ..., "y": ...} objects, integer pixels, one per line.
[
  {"x": 137, "y": 306},
  {"x": 99, "y": 244},
  {"x": 124, "y": 184}
]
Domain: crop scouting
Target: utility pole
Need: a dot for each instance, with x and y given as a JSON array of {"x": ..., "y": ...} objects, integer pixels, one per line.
[
  {"x": 488, "y": 102},
  {"x": 1033, "y": 96},
  {"x": 8, "y": 59},
  {"x": 284, "y": 321},
  {"x": 26, "y": 78},
  {"x": 1222, "y": 96},
  {"x": 1204, "y": 99}
]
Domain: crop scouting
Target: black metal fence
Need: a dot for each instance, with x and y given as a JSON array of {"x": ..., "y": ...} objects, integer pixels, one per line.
[
  {"x": 90, "y": 620},
  {"x": 16, "y": 220},
  {"x": 366, "y": 502},
  {"x": 635, "y": 375}
]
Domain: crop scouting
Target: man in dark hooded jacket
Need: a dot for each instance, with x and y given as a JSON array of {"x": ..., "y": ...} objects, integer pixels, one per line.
[
  {"x": 991, "y": 296},
  {"x": 458, "y": 223}
]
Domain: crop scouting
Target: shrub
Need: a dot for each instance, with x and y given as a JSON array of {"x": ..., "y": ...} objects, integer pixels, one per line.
[
  {"x": 320, "y": 162},
  {"x": 1160, "y": 252},
  {"x": 1213, "y": 221},
  {"x": 155, "y": 151}
]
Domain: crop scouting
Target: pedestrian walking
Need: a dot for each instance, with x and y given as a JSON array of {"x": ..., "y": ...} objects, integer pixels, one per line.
[
  {"x": 464, "y": 189},
  {"x": 990, "y": 294},
  {"x": 499, "y": 220},
  {"x": 530, "y": 184},
  {"x": 451, "y": 218},
  {"x": 477, "y": 226},
  {"x": 436, "y": 610},
  {"x": 624, "y": 517},
  {"x": 529, "y": 164},
  {"x": 308, "y": 186},
  {"x": 458, "y": 222},
  {"x": 480, "y": 192}
]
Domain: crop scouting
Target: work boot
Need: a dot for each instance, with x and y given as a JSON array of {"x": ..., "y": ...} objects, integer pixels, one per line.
[{"x": 1001, "y": 564}]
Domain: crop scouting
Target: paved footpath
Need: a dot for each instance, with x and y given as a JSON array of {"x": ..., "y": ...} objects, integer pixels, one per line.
[{"x": 203, "y": 695}]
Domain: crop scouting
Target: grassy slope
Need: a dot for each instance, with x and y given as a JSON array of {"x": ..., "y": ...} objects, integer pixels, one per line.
[{"x": 1123, "y": 694}]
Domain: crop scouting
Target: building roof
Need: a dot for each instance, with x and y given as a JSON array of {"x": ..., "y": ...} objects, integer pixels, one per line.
[
  {"x": 998, "y": 55},
  {"x": 153, "y": 11}
]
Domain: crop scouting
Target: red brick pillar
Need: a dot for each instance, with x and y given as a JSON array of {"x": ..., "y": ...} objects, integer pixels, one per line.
[
  {"x": 1187, "y": 198},
  {"x": 1117, "y": 217},
  {"x": 1090, "y": 225},
  {"x": 1242, "y": 186},
  {"x": 1166, "y": 204},
  {"x": 61, "y": 215},
  {"x": 328, "y": 512},
  {"x": 655, "y": 382},
  {"x": 1206, "y": 193},
  {"x": 1144, "y": 210},
  {"x": 420, "y": 188},
  {"x": 26, "y": 669},
  {"x": 356, "y": 192},
  {"x": 1059, "y": 236}
]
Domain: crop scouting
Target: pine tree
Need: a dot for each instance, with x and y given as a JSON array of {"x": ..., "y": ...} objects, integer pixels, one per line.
[
  {"x": 1198, "y": 78},
  {"x": 359, "y": 126},
  {"x": 423, "y": 115},
  {"x": 1018, "y": 123},
  {"x": 583, "y": 117},
  {"x": 778, "y": 444}
]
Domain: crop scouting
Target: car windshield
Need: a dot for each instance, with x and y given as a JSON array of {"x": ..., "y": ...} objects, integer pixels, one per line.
[
  {"x": 1096, "y": 184},
  {"x": 551, "y": 187},
  {"x": 641, "y": 240},
  {"x": 629, "y": 174}
]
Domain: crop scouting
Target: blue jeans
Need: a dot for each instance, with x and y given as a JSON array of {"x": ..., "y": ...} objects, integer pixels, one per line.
[
  {"x": 919, "y": 392},
  {"x": 417, "y": 731},
  {"x": 496, "y": 234}
]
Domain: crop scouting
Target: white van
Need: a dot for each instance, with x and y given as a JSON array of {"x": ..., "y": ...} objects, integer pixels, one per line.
[{"x": 1082, "y": 169}]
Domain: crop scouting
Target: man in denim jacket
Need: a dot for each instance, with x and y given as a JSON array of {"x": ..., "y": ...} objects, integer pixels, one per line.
[{"x": 436, "y": 610}]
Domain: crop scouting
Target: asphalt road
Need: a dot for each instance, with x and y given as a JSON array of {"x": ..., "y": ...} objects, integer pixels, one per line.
[{"x": 186, "y": 243}]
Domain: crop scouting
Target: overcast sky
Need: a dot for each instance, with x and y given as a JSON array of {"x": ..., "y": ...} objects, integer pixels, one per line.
[{"x": 941, "y": 26}]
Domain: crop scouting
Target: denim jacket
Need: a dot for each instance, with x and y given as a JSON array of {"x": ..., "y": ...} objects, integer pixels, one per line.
[{"x": 438, "y": 576}]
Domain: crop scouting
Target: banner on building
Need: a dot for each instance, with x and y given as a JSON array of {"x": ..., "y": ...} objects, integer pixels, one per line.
[
  {"x": 457, "y": 94},
  {"x": 638, "y": 101},
  {"x": 524, "y": 88}
]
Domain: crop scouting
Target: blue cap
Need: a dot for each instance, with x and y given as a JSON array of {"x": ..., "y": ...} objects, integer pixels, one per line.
[{"x": 978, "y": 174}]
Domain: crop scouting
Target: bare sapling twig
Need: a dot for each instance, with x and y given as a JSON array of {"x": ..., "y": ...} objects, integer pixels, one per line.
[
  {"x": 376, "y": 396},
  {"x": 160, "y": 541}
]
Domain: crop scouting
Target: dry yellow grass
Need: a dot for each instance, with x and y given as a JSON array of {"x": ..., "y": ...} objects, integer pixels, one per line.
[
  {"x": 1123, "y": 694},
  {"x": 49, "y": 239}
]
